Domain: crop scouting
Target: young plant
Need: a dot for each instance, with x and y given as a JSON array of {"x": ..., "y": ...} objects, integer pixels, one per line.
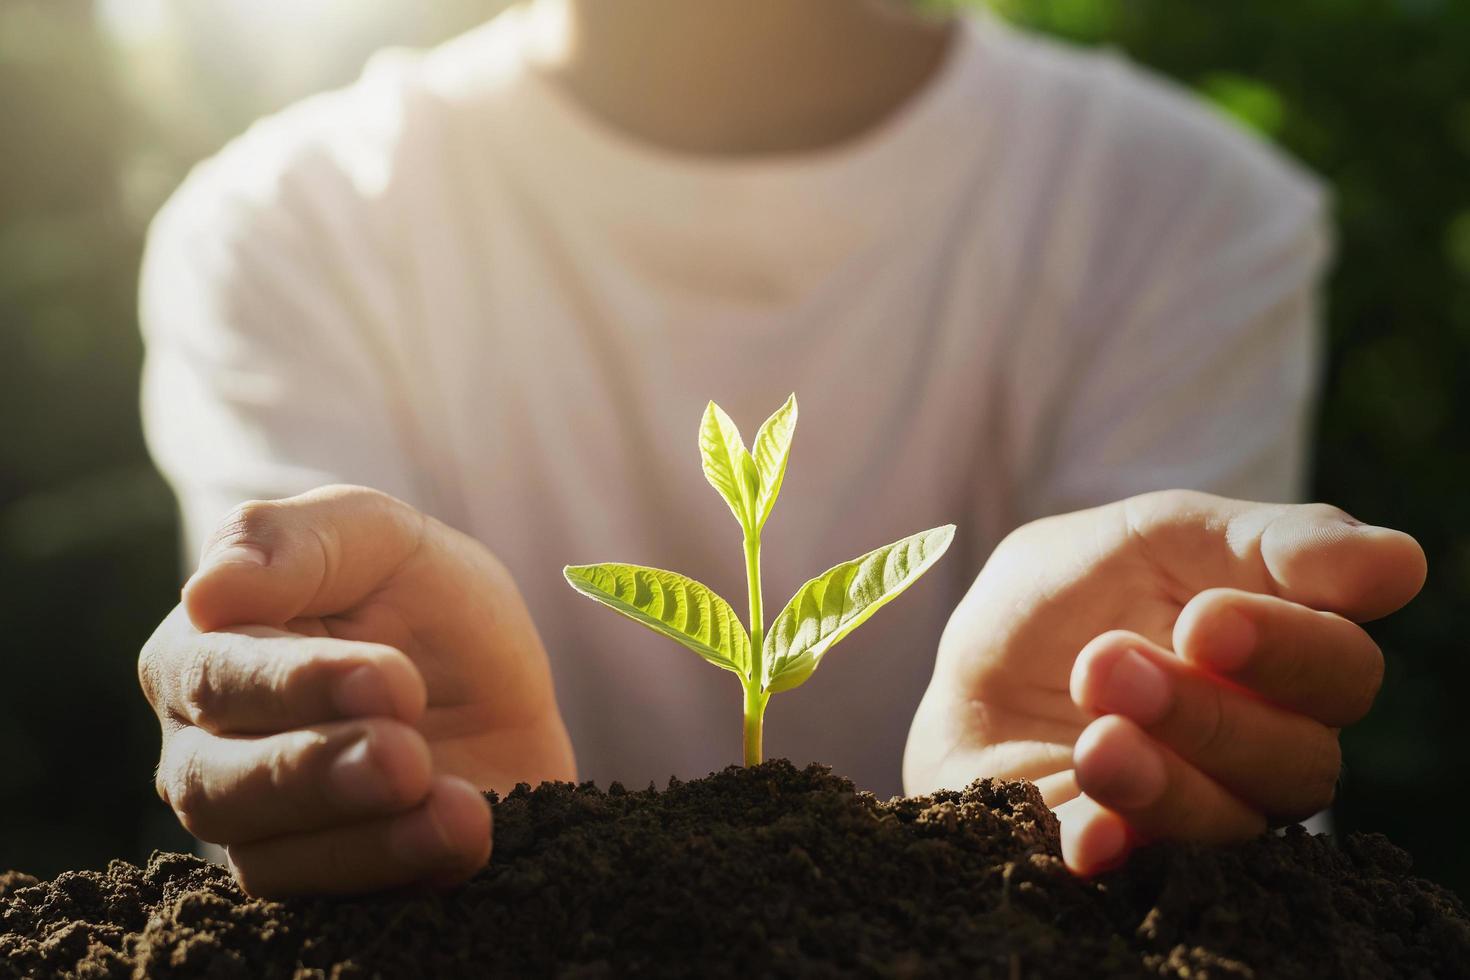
[{"x": 823, "y": 611}]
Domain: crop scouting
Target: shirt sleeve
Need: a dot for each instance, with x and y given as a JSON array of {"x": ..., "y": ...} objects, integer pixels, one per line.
[
  {"x": 1203, "y": 374},
  {"x": 263, "y": 376}
]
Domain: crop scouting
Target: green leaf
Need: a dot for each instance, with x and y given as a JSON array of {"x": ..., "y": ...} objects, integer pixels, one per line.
[
  {"x": 840, "y": 600},
  {"x": 728, "y": 465},
  {"x": 669, "y": 603},
  {"x": 772, "y": 449}
]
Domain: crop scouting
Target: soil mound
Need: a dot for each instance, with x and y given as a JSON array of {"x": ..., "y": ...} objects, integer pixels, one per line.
[{"x": 771, "y": 871}]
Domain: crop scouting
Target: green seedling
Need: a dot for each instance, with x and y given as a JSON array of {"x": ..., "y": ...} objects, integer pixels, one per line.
[{"x": 823, "y": 611}]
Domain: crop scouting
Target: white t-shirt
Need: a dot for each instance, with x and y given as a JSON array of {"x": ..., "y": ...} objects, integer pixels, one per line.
[{"x": 1048, "y": 281}]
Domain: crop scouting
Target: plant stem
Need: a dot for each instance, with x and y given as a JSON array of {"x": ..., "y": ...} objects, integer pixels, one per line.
[
  {"x": 755, "y": 713},
  {"x": 757, "y": 626},
  {"x": 755, "y": 700}
]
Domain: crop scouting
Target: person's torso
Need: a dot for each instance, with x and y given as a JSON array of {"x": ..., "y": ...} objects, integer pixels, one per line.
[{"x": 561, "y": 303}]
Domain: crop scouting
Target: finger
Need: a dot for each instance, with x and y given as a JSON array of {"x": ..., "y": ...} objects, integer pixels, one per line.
[
  {"x": 1058, "y": 788},
  {"x": 1316, "y": 663},
  {"x": 1094, "y": 838},
  {"x": 1281, "y": 763},
  {"x": 1313, "y": 554},
  {"x": 1154, "y": 790},
  {"x": 444, "y": 840},
  {"x": 236, "y": 790},
  {"x": 316, "y": 554},
  {"x": 255, "y": 680}
]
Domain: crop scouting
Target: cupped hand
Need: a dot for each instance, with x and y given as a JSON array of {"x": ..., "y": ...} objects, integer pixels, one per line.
[
  {"x": 342, "y": 679},
  {"x": 1175, "y": 665}
]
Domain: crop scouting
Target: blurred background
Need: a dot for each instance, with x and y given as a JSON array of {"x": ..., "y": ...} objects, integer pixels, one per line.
[{"x": 106, "y": 103}]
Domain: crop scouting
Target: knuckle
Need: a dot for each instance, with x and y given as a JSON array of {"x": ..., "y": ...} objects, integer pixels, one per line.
[
  {"x": 1173, "y": 501},
  {"x": 1163, "y": 509},
  {"x": 148, "y": 673},
  {"x": 162, "y": 775},
  {"x": 1158, "y": 530},
  {"x": 280, "y": 767},
  {"x": 250, "y": 521},
  {"x": 154, "y": 658},
  {"x": 348, "y": 501},
  {"x": 1169, "y": 516},
  {"x": 182, "y": 785},
  {"x": 349, "y": 493},
  {"x": 204, "y": 697}
]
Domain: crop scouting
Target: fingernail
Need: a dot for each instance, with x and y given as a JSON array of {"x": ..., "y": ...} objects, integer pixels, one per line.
[
  {"x": 1229, "y": 641},
  {"x": 1136, "y": 688},
  {"x": 362, "y": 692},
  {"x": 355, "y": 778},
  {"x": 1136, "y": 782},
  {"x": 238, "y": 554}
]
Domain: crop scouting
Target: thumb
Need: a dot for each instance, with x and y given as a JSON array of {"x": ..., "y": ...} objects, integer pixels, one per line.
[
  {"x": 1320, "y": 557},
  {"x": 316, "y": 554}
]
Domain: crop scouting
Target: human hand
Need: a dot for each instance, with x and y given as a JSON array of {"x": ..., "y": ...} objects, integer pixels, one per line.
[
  {"x": 342, "y": 679},
  {"x": 1174, "y": 665}
]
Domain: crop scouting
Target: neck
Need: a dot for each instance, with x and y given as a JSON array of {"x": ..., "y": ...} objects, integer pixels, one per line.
[{"x": 738, "y": 77}]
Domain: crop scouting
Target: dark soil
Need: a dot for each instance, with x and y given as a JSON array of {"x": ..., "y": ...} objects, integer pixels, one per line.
[{"x": 771, "y": 871}]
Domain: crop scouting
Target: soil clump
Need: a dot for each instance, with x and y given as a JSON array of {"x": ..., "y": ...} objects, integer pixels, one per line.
[{"x": 771, "y": 871}]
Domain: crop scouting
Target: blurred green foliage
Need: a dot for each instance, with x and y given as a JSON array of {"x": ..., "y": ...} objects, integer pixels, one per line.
[
  {"x": 1372, "y": 94},
  {"x": 87, "y": 545}
]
